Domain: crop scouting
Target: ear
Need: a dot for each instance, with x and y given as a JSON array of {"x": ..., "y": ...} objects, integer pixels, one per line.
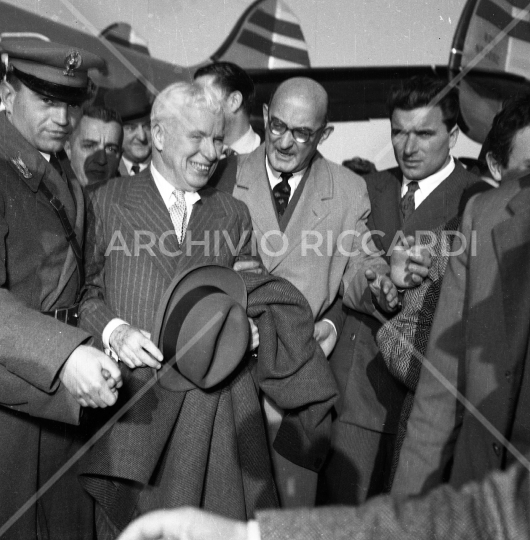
[
  {"x": 68, "y": 148},
  {"x": 265, "y": 114},
  {"x": 453, "y": 136},
  {"x": 494, "y": 166},
  {"x": 235, "y": 100},
  {"x": 326, "y": 133},
  {"x": 7, "y": 95},
  {"x": 157, "y": 135}
]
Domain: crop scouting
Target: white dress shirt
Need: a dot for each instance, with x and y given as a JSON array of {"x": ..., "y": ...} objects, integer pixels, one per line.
[
  {"x": 247, "y": 143},
  {"x": 129, "y": 164},
  {"x": 166, "y": 192},
  {"x": 429, "y": 184}
]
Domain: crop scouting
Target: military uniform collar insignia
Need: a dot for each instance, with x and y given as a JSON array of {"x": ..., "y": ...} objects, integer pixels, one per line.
[{"x": 21, "y": 167}]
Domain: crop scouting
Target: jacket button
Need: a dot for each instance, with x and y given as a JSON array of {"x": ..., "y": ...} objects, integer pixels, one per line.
[
  {"x": 496, "y": 449},
  {"x": 352, "y": 336},
  {"x": 508, "y": 374}
]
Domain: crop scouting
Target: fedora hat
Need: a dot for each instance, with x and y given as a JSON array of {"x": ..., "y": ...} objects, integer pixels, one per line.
[
  {"x": 201, "y": 327},
  {"x": 131, "y": 102}
]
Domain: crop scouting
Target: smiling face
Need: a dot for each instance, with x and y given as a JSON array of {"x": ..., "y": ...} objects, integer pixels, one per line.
[
  {"x": 421, "y": 141},
  {"x": 284, "y": 153},
  {"x": 188, "y": 146},
  {"x": 94, "y": 150},
  {"x": 44, "y": 122}
]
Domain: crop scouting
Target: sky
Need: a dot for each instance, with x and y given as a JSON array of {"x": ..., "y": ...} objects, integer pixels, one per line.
[{"x": 337, "y": 32}]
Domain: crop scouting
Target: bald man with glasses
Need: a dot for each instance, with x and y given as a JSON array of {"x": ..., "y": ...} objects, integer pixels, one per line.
[{"x": 309, "y": 216}]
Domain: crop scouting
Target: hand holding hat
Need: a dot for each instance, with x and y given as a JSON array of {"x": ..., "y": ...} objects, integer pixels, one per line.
[
  {"x": 134, "y": 347},
  {"x": 202, "y": 328}
]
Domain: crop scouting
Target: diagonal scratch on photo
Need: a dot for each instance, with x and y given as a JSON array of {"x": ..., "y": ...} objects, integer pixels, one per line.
[{"x": 264, "y": 269}]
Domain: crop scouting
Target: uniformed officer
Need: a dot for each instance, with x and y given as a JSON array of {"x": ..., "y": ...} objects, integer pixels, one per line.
[{"x": 47, "y": 370}]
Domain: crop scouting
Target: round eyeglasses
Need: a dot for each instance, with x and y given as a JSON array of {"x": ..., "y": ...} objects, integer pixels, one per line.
[{"x": 300, "y": 135}]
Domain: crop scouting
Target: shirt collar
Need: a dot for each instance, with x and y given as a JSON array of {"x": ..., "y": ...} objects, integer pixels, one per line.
[
  {"x": 427, "y": 185},
  {"x": 247, "y": 143},
  {"x": 271, "y": 173},
  {"x": 128, "y": 164},
  {"x": 46, "y": 156},
  {"x": 166, "y": 189}
]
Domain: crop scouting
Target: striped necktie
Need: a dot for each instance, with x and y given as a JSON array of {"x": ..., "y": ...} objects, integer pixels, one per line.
[
  {"x": 178, "y": 214},
  {"x": 407, "y": 204}
]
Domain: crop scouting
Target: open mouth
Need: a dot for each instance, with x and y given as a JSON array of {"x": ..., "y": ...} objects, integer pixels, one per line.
[{"x": 200, "y": 167}]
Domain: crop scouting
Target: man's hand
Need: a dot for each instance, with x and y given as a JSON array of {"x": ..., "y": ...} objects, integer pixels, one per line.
[
  {"x": 134, "y": 347},
  {"x": 253, "y": 342},
  {"x": 91, "y": 377},
  {"x": 383, "y": 289},
  {"x": 410, "y": 264},
  {"x": 184, "y": 524},
  {"x": 326, "y": 336},
  {"x": 250, "y": 265}
]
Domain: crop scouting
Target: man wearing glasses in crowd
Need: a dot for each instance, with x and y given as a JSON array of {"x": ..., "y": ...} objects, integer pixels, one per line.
[{"x": 309, "y": 216}]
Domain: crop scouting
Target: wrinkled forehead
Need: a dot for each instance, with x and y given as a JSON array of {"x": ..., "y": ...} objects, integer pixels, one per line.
[
  {"x": 198, "y": 117},
  {"x": 95, "y": 129},
  {"x": 297, "y": 111}
]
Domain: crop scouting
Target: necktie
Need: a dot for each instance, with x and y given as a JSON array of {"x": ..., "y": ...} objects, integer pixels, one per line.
[
  {"x": 54, "y": 162},
  {"x": 229, "y": 152},
  {"x": 178, "y": 214},
  {"x": 135, "y": 169},
  {"x": 282, "y": 192},
  {"x": 407, "y": 202}
]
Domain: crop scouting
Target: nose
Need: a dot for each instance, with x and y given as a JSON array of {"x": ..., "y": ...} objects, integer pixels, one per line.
[
  {"x": 140, "y": 133},
  {"x": 410, "y": 144},
  {"x": 286, "y": 140},
  {"x": 100, "y": 157},
  {"x": 60, "y": 116},
  {"x": 208, "y": 150}
]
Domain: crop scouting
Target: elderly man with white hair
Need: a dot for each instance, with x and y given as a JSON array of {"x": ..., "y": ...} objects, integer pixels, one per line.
[{"x": 142, "y": 231}]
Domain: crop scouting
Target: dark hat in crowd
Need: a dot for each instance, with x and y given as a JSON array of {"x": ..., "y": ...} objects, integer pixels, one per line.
[
  {"x": 131, "y": 102},
  {"x": 51, "y": 69},
  {"x": 201, "y": 328}
]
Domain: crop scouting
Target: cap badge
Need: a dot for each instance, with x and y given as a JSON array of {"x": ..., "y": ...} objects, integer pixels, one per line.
[
  {"x": 71, "y": 62},
  {"x": 21, "y": 167}
]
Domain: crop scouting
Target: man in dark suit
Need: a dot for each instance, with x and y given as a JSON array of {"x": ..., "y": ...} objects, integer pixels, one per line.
[
  {"x": 133, "y": 104},
  {"x": 479, "y": 343},
  {"x": 424, "y": 192},
  {"x": 47, "y": 371},
  {"x": 142, "y": 232}
]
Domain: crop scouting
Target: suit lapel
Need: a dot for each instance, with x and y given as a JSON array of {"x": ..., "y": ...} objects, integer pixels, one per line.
[
  {"x": 384, "y": 200},
  {"x": 512, "y": 246},
  {"x": 144, "y": 210},
  {"x": 313, "y": 206},
  {"x": 253, "y": 188}
]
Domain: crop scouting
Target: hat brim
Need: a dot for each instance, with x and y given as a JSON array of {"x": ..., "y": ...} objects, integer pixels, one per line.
[{"x": 220, "y": 277}]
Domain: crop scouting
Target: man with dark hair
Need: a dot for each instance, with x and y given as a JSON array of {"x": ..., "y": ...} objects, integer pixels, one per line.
[
  {"x": 509, "y": 139},
  {"x": 421, "y": 194},
  {"x": 133, "y": 104},
  {"x": 94, "y": 148},
  {"x": 237, "y": 90},
  {"x": 47, "y": 370}
]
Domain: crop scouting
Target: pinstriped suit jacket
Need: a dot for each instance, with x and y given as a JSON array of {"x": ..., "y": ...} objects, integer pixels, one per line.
[
  {"x": 126, "y": 280},
  {"x": 131, "y": 248}
]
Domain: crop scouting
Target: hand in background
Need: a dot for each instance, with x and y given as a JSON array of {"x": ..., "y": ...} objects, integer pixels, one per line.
[
  {"x": 383, "y": 290},
  {"x": 326, "y": 336}
]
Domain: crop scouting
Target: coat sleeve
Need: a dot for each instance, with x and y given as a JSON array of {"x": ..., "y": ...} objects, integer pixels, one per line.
[
  {"x": 436, "y": 415},
  {"x": 94, "y": 314},
  {"x": 33, "y": 349},
  {"x": 494, "y": 508},
  {"x": 363, "y": 254}
]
